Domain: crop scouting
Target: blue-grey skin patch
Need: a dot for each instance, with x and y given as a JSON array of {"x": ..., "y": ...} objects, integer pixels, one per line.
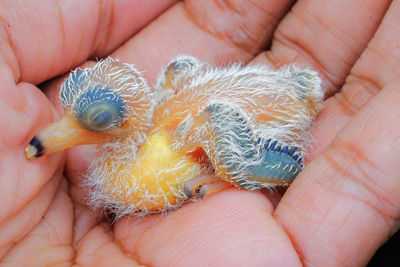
[
  {"x": 102, "y": 119},
  {"x": 223, "y": 119},
  {"x": 278, "y": 161},
  {"x": 71, "y": 84},
  {"x": 301, "y": 78},
  {"x": 100, "y": 110},
  {"x": 182, "y": 65},
  {"x": 76, "y": 77}
]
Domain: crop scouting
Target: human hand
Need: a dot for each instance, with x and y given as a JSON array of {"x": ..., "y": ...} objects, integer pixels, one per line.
[{"x": 339, "y": 210}]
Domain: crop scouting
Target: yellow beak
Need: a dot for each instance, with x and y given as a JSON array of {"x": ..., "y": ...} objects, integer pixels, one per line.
[{"x": 61, "y": 135}]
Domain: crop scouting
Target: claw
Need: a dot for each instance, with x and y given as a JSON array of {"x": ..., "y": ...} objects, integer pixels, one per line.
[
  {"x": 204, "y": 185},
  {"x": 188, "y": 191},
  {"x": 192, "y": 187},
  {"x": 209, "y": 189}
]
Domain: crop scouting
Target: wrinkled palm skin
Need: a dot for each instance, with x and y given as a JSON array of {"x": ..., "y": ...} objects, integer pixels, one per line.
[{"x": 338, "y": 212}]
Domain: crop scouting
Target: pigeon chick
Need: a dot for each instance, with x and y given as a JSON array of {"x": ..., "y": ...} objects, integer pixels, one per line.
[{"x": 203, "y": 129}]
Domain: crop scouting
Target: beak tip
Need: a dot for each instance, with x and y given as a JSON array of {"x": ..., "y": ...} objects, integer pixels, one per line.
[
  {"x": 30, "y": 152},
  {"x": 34, "y": 149}
]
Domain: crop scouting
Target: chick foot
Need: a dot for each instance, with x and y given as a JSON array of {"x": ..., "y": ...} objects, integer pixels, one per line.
[{"x": 204, "y": 186}]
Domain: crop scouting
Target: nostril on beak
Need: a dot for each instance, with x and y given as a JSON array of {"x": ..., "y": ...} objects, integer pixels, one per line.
[{"x": 34, "y": 149}]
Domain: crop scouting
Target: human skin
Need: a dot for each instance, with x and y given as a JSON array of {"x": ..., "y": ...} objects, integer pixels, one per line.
[{"x": 339, "y": 210}]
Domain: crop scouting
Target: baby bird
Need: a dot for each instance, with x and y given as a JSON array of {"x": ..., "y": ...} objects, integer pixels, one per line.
[{"x": 202, "y": 129}]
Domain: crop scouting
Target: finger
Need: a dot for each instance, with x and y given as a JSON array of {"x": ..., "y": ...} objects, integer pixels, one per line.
[
  {"x": 343, "y": 206},
  {"x": 396, "y": 227},
  {"x": 328, "y": 35},
  {"x": 97, "y": 248},
  {"x": 17, "y": 226},
  {"x": 45, "y": 38},
  {"x": 49, "y": 242},
  {"x": 214, "y": 31},
  {"x": 85, "y": 218},
  {"x": 231, "y": 228},
  {"x": 377, "y": 66},
  {"x": 128, "y": 229},
  {"x": 25, "y": 187},
  {"x": 21, "y": 180}
]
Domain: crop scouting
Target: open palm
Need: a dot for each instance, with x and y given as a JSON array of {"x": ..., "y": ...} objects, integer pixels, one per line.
[{"x": 339, "y": 210}]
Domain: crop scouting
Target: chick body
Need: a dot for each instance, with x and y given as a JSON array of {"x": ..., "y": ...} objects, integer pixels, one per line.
[{"x": 249, "y": 125}]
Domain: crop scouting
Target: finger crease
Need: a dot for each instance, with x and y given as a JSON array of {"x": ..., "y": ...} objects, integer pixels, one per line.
[
  {"x": 247, "y": 41},
  {"x": 63, "y": 32},
  {"x": 357, "y": 92},
  {"x": 384, "y": 59},
  {"x": 10, "y": 41},
  {"x": 356, "y": 159},
  {"x": 284, "y": 40},
  {"x": 288, "y": 233}
]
